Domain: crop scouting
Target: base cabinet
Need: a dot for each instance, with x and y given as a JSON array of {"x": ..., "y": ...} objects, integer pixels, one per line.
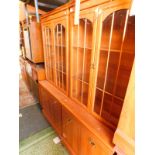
[
  {"x": 52, "y": 108},
  {"x": 74, "y": 133}
]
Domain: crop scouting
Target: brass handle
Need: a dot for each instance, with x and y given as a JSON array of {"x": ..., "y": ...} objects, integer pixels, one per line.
[
  {"x": 69, "y": 120},
  {"x": 91, "y": 142},
  {"x": 92, "y": 66}
]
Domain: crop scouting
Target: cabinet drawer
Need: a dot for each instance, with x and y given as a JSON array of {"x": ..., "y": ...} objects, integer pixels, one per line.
[{"x": 91, "y": 145}]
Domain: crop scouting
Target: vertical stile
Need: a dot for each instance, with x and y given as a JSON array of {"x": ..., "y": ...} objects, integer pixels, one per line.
[
  {"x": 62, "y": 58},
  {"x": 47, "y": 54},
  {"x": 124, "y": 32},
  {"x": 44, "y": 29},
  {"x": 76, "y": 76},
  {"x": 48, "y": 42},
  {"x": 107, "y": 64},
  {"x": 55, "y": 57},
  {"x": 85, "y": 31}
]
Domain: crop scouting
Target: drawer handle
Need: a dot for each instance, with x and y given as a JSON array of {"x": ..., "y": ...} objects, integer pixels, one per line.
[
  {"x": 91, "y": 142},
  {"x": 69, "y": 120}
]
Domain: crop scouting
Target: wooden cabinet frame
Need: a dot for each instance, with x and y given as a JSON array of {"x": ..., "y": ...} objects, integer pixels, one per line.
[{"x": 96, "y": 13}]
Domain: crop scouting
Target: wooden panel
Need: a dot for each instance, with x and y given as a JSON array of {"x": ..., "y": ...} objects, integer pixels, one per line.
[
  {"x": 71, "y": 130},
  {"x": 36, "y": 42},
  {"x": 99, "y": 129},
  {"x": 91, "y": 145},
  {"x": 55, "y": 113},
  {"x": 124, "y": 137},
  {"x": 52, "y": 107}
]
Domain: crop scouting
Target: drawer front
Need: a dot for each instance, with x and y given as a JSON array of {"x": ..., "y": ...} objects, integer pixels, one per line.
[{"x": 91, "y": 145}]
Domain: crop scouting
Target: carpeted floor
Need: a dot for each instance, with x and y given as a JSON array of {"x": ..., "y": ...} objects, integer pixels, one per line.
[
  {"x": 25, "y": 96},
  {"x": 31, "y": 121},
  {"x": 42, "y": 143}
]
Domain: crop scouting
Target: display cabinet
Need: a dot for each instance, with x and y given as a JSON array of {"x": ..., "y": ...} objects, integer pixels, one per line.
[
  {"x": 55, "y": 38},
  {"x": 88, "y": 68},
  {"x": 101, "y": 62}
]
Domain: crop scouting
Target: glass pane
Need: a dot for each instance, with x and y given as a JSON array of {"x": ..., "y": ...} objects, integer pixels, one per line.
[
  {"x": 60, "y": 52},
  {"x": 81, "y": 59},
  {"x": 98, "y": 100},
  {"x": 49, "y": 55},
  {"x": 126, "y": 59},
  {"x": 115, "y": 64}
]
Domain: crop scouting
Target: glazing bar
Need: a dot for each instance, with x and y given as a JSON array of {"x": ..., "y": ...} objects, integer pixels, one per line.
[
  {"x": 57, "y": 51},
  {"x": 62, "y": 59},
  {"x": 55, "y": 56},
  {"x": 84, "y": 53},
  {"x": 77, "y": 50}
]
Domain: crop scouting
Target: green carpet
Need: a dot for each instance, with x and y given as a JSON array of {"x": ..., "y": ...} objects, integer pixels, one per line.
[{"x": 42, "y": 143}]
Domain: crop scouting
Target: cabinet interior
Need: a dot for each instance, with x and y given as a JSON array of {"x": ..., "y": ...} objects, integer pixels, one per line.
[{"x": 81, "y": 60}]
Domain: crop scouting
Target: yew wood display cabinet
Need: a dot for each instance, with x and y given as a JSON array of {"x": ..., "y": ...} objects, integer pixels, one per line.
[{"x": 88, "y": 67}]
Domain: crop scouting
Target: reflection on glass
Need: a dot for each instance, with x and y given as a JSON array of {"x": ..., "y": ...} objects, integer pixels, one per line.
[
  {"x": 115, "y": 64},
  {"x": 60, "y": 55},
  {"x": 81, "y": 58}
]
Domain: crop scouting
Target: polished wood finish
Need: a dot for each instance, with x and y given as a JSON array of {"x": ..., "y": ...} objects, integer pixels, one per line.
[
  {"x": 99, "y": 57},
  {"x": 36, "y": 42},
  {"x": 124, "y": 137},
  {"x": 70, "y": 130},
  {"x": 31, "y": 74},
  {"x": 33, "y": 40},
  {"x": 92, "y": 145},
  {"x": 56, "y": 48},
  {"x": 70, "y": 111}
]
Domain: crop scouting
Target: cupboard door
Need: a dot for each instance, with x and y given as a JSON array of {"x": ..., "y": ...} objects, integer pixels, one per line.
[
  {"x": 115, "y": 60},
  {"x": 70, "y": 130},
  {"x": 91, "y": 145},
  {"x": 48, "y": 53},
  {"x": 81, "y": 59},
  {"x": 55, "y": 113},
  {"x": 44, "y": 99}
]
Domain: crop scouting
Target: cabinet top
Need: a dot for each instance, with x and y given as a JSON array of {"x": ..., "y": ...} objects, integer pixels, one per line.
[
  {"x": 103, "y": 132},
  {"x": 84, "y": 4}
]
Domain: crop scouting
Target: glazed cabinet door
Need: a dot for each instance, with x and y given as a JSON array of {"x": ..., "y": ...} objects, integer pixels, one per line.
[
  {"x": 82, "y": 39},
  {"x": 91, "y": 145},
  {"x": 60, "y": 44},
  {"x": 49, "y": 55},
  {"x": 70, "y": 130},
  {"x": 114, "y": 63}
]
